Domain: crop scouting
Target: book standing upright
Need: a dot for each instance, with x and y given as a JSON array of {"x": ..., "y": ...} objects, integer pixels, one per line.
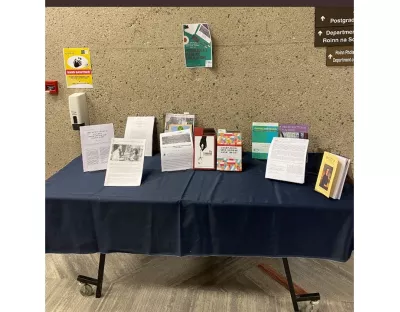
[
  {"x": 262, "y": 136},
  {"x": 332, "y": 175},
  {"x": 229, "y": 150}
]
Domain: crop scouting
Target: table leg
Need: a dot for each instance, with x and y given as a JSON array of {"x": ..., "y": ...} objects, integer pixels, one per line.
[
  {"x": 92, "y": 281},
  {"x": 290, "y": 283},
  {"x": 297, "y": 298},
  {"x": 100, "y": 275}
]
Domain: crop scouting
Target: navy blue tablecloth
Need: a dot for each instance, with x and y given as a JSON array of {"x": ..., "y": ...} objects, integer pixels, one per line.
[{"x": 197, "y": 213}]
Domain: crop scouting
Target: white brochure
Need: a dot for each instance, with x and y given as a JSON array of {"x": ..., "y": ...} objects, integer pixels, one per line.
[
  {"x": 95, "y": 144},
  {"x": 125, "y": 164},
  {"x": 287, "y": 160},
  {"x": 176, "y": 150}
]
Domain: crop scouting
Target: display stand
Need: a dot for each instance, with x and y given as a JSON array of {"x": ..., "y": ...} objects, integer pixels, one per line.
[{"x": 86, "y": 289}]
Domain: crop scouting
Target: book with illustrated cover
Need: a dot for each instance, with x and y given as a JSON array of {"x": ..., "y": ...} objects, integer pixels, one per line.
[
  {"x": 229, "y": 150},
  {"x": 262, "y": 135},
  {"x": 332, "y": 175},
  {"x": 293, "y": 131}
]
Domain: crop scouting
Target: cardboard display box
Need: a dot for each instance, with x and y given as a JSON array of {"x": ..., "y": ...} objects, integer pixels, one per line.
[{"x": 204, "y": 149}]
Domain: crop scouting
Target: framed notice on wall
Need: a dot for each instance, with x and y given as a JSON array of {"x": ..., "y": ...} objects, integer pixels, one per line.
[{"x": 78, "y": 68}]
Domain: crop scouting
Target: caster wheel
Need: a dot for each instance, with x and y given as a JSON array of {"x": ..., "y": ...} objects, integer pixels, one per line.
[
  {"x": 86, "y": 290},
  {"x": 309, "y": 306}
]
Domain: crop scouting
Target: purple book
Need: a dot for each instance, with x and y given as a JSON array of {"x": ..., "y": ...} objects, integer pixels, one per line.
[{"x": 293, "y": 131}]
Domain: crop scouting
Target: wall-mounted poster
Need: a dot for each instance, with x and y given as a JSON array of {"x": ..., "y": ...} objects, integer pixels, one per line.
[
  {"x": 197, "y": 45},
  {"x": 78, "y": 68}
]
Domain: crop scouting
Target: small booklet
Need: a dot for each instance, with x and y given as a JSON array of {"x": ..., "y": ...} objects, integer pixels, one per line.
[
  {"x": 175, "y": 122},
  {"x": 262, "y": 135},
  {"x": 95, "y": 144},
  {"x": 287, "y": 160},
  {"x": 176, "y": 150},
  {"x": 125, "y": 164},
  {"x": 197, "y": 45},
  {"x": 332, "y": 175},
  {"x": 141, "y": 127}
]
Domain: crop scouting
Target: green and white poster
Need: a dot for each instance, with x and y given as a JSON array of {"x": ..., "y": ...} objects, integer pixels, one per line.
[{"x": 197, "y": 44}]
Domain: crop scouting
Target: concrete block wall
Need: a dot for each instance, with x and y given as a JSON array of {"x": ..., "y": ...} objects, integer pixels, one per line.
[{"x": 266, "y": 69}]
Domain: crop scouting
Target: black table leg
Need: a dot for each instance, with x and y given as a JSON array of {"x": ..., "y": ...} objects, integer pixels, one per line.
[
  {"x": 297, "y": 298},
  {"x": 92, "y": 281},
  {"x": 290, "y": 284},
  {"x": 100, "y": 275}
]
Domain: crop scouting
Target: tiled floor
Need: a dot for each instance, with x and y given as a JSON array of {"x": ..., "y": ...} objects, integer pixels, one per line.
[{"x": 188, "y": 284}]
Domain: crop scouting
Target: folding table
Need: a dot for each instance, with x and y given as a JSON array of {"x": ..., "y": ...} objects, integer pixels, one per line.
[{"x": 198, "y": 213}]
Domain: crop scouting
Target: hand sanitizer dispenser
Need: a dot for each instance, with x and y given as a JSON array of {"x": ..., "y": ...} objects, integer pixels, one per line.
[{"x": 78, "y": 110}]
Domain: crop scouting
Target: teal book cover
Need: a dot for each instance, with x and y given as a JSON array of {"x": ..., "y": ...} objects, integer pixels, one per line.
[
  {"x": 198, "y": 45},
  {"x": 262, "y": 134}
]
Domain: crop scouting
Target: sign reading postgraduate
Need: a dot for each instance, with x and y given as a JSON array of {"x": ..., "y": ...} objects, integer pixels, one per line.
[
  {"x": 334, "y": 27},
  {"x": 334, "y": 17},
  {"x": 197, "y": 45}
]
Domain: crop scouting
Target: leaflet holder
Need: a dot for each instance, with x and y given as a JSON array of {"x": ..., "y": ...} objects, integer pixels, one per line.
[{"x": 204, "y": 156}]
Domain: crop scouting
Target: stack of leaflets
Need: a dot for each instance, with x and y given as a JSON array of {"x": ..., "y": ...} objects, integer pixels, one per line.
[{"x": 179, "y": 122}]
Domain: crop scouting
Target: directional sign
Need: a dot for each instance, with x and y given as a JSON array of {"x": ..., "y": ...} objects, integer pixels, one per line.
[
  {"x": 334, "y": 36},
  {"x": 334, "y": 17},
  {"x": 340, "y": 56}
]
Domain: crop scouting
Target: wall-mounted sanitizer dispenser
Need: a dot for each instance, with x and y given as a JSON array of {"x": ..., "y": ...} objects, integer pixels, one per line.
[{"x": 78, "y": 110}]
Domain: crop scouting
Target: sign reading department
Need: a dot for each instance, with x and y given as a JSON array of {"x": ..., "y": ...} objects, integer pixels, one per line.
[
  {"x": 334, "y": 36},
  {"x": 340, "y": 56}
]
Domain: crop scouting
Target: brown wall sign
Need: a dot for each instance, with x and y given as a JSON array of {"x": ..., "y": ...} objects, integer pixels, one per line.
[
  {"x": 334, "y": 27},
  {"x": 340, "y": 56},
  {"x": 334, "y": 17},
  {"x": 334, "y": 36}
]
